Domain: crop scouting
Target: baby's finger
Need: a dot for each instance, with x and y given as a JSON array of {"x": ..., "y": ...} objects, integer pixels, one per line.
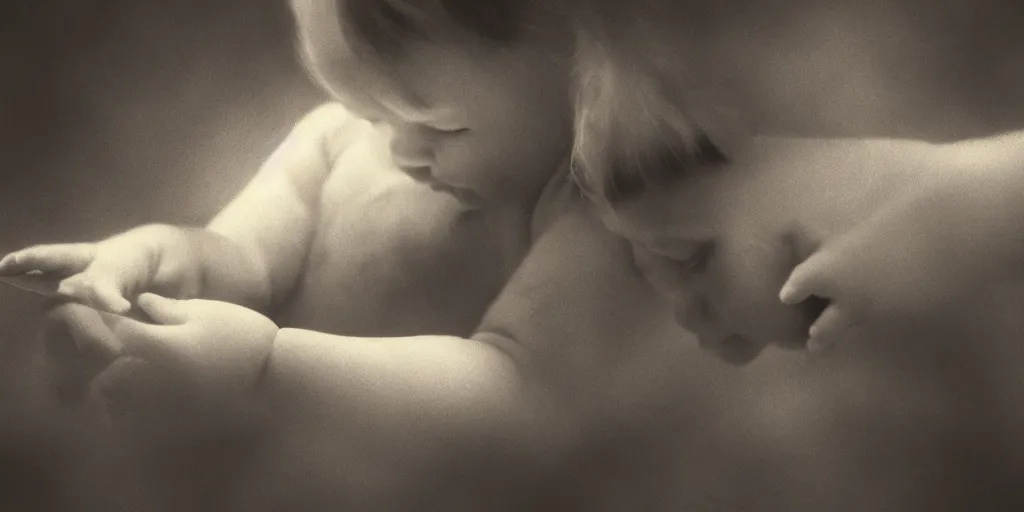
[
  {"x": 61, "y": 259},
  {"x": 163, "y": 310},
  {"x": 7, "y": 262},
  {"x": 150, "y": 342},
  {"x": 812, "y": 277},
  {"x": 828, "y": 328},
  {"x": 96, "y": 292}
]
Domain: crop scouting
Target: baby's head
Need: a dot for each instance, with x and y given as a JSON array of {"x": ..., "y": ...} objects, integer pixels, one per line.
[
  {"x": 658, "y": 155},
  {"x": 475, "y": 94}
]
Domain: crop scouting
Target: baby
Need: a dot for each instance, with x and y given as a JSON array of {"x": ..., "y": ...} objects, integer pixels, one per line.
[
  {"x": 864, "y": 237},
  {"x": 553, "y": 351},
  {"x": 480, "y": 123},
  {"x": 442, "y": 300}
]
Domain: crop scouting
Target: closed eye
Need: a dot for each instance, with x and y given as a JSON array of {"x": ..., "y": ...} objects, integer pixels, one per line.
[
  {"x": 659, "y": 164},
  {"x": 444, "y": 128},
  {"x": 689, "y": 257}
]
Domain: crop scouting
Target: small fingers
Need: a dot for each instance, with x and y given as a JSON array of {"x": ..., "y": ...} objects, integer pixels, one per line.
[
  {"x": 147, "y": 341},
  {"x": 100, "y": 293},
  {"x": 60, "y": 259},
  {"x": 833, "y": 325},
  {"x": 810, "y": 278},
  {"x": 163, "y": 310}
]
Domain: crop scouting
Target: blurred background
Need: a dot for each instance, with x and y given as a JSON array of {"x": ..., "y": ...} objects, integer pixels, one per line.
[
  {"x": 121, "y": 112},
  {"x": 115, "y": 113}
]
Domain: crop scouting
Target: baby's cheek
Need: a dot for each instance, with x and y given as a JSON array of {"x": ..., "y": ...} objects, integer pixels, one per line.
[
  {"x": 658, "y": 271},
  {"x": 746, "y": 279}
]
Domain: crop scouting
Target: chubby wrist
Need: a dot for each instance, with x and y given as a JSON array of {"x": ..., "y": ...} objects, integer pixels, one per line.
[
  {"x": 156, "y": 240},
  {"x": 251, "y": 409},
  {"x": 261, "y": 386},
  {"x": 268, "y": 357}
]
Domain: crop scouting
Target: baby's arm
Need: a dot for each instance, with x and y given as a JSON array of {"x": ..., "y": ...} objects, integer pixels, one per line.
[
  {"x": 924, "y": 257},
  {"x": 269, "y": 225},
  {"x": 382, "y": 419},
  {"x": 248, "y": 255}
]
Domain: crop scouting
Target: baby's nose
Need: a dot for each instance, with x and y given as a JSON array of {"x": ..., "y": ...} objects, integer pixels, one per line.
[{"x": 420, "y": 174}]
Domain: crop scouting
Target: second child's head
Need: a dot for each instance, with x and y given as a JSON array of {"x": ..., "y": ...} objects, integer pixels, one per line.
[
  {"x": 474, "y": 94},
  {"x": 661, "y": 157}
]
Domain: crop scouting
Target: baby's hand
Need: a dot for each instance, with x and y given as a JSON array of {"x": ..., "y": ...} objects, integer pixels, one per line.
[
  {"x": 217, "y": 348},
  {"x": 191, "y": 371},
  {"x": 913, "y": 265},
  {"x": 107, "y": 275}
]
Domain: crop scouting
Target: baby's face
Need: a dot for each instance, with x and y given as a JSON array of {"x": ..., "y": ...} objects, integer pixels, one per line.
[
  {"x": 720, "y": 244},
  {"x": 488, "y": 125},
  {"x": 719, "y": 247}
]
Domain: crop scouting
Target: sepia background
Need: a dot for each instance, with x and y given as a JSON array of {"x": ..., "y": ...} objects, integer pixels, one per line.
[{"x": 120, "y": 112}]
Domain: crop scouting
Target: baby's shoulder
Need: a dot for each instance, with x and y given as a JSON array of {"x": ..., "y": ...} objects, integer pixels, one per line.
[{"x": 338, "y": 129}]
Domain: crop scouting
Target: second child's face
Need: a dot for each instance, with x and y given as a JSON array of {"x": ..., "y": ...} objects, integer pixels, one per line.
[
  {"x": 719, "y": 245},
  {"x": 719, "y": 242},
  {"x": 719, "y": 248}
]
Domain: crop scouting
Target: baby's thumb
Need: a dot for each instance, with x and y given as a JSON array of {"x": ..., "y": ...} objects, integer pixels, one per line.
[
  {"x": 162, "y": 310},
  {"x": 809, "y": 278}
]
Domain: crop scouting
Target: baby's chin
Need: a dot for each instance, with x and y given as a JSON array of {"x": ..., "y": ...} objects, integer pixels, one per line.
[
  {"x": 786, "y": 327},
  {"x": 735, "y": 350}
]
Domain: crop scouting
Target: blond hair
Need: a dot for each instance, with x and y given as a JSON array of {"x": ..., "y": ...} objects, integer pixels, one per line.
[
  {"x": 359, "y": 44},
  {"x": 637, "y": 124}
]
